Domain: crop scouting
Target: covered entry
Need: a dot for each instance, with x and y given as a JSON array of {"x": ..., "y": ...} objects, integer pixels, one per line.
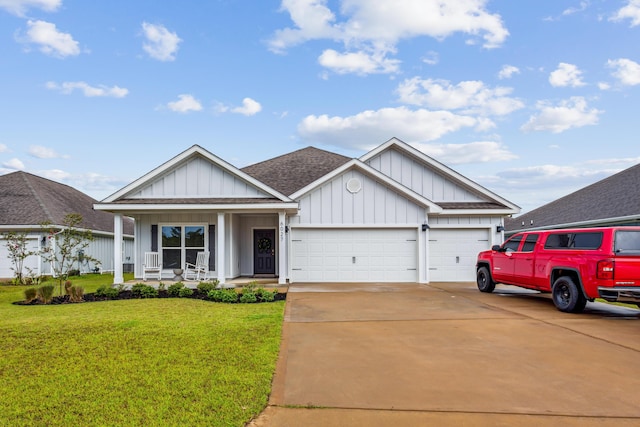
[{"x": 354, "y": 255}]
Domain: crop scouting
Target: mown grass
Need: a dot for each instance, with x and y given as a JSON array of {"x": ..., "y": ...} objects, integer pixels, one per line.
[{"x": 162, "y": 362}]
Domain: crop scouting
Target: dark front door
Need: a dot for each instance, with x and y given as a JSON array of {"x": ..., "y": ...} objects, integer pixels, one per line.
[{"x": 264, "y": 252}]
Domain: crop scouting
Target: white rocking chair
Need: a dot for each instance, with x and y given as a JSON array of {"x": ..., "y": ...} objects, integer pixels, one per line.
[
  {"x": 152, "y": 265},
  {"x": 199, "y": 270}
]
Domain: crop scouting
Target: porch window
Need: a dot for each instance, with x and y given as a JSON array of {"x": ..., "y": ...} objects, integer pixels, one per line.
[{"x": 181, "y": 243}]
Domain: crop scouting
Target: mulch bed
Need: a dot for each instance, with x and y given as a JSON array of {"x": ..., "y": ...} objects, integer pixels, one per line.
[{"x": 280, "y": 296}]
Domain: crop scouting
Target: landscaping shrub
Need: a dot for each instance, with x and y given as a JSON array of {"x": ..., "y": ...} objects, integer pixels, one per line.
[
  {"x": 174, "y": 289},
  {"x": 76, "y": 294},
  {"x": 265, "y": 295},
  {"x": 223, "y": 295},
  {"x": 185, "y": 292},
  {"x": 140, "y": 290},
  {"x": 30, "y": 294},
  {"x": 248, "y": 297},
  {"x": 206, "y": 287},
  {"x": 107, "y": 292},
  {"x": 45, "y": 293}
]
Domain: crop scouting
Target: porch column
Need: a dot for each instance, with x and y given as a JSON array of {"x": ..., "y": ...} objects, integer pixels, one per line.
[
  {"x": 221, "y": 261},
  {"x": 282, "y": 248},
  {"x": 118, "y": 278}
]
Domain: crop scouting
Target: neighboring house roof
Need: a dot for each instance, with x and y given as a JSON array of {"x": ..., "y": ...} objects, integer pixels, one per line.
[
  {"x": 613, "y": 200},
  {"x": 29, "y": 200},
  {"x": 291, "y": 172}
]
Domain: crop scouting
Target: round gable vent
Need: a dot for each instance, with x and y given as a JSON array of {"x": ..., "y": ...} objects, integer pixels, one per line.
[{"x": 354, "y": 185}]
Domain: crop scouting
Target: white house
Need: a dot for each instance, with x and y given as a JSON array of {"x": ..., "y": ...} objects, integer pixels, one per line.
[{"x": 392, "y": 215}]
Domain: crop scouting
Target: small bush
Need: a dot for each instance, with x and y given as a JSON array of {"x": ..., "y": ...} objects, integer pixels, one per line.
[
  {"x": 67, "y": 287},
  {"x": 76, "y": 294},
  {"x": 206, "y": 287},
  {"x": 223, "y": 295},
  {"x": 140, "y": 290},
  {"x": 107, "y": 292},
  {"x": 248, "y": 297},
  {"x": 162, "y": 287},
  {"x": 174, "y": 289},
  {"x": 30, "y": 294},
  {"x": 185, "y": 292},
  {"x": 265, "y": 295},
  {"x": 45, "y": 293}
]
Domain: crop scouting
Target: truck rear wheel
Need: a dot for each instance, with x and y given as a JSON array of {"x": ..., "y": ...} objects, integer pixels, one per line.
[
  {"x": 567, "y": 296},
  {"x": 484, "y": 280}
]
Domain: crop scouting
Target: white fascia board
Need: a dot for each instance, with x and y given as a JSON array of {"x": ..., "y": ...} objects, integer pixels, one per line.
[
  {"x": 134, "y": 207},
  {"x": 195, "y": 149},
  {"x": 368, "y": 170},
  {"x": 479, "y": 212},
  {"x": 445, "y": 170}
]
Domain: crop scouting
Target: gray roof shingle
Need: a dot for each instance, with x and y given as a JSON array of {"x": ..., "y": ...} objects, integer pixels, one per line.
[
  {"x": 27, "y": 200},
  {"x": 613, "y": 197},
  {"x": 291, "y": 172}
]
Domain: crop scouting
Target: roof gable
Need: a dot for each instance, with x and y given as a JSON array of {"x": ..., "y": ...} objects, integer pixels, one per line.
[
  {"x": 433, "y": 180},
  {"x": 616, "y": 198},
  {"x": 291, "y": 172},
  {"x": 29, "y": 200},
  {"x": 196, "y": 174}
]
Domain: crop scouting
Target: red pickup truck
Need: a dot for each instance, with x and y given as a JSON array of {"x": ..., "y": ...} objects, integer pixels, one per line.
[{"x": 575, "y": 265}]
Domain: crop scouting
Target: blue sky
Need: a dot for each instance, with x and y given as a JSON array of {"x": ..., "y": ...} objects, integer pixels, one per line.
[{"x": 531, "y": 99}]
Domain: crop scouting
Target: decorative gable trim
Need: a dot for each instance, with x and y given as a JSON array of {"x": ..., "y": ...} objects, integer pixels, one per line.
[
  {"x": 191, "y": 152},
  {"x": 509, "y": 208},
  {"x": 379, "y": 176}
]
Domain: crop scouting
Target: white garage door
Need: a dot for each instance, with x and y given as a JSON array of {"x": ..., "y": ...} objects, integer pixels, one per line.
[
  {"x": 30, "y": 262},
  {"x": 354, "y": 255},
  {"x": 453, "y": 253}
]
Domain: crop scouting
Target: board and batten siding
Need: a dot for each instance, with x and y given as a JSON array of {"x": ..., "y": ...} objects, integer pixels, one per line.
[
  {"x": 198, "y": 178},
  {"x": 420, "y": 178},
  {"x": 375, "y": 203}
]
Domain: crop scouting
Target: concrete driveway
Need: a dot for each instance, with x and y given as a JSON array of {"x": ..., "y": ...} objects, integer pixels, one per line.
[{"x": 446, "y": 354}]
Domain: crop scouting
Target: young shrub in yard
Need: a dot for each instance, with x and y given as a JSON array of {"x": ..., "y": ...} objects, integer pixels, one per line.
[
  {"x": 107, "y": 292},
  {"x": 67, "y": 287},
  {"x": 265, "y": 295},
  {"x": 223, "y": 295},
  {"x": 30, "y": 294},
  {"x": 174, "y": 289},
  {"x": 45, "y": 293},
  {"x": 140, "y": 290},
  {"x": 206, "y": 287},
  {"x": 185, "y": 292},
  {"x": 76, "y": 294},
  {"x": 248, "y": 297}
]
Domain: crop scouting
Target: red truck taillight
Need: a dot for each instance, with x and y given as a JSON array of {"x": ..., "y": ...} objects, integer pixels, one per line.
[{"x": 605, "y": 269}]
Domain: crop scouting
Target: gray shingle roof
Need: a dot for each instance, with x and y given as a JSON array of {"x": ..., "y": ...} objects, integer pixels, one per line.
[
  {"x": 27, "y": 199},
  {"x": 613, "y": 197},
  {"x": 291, "y": 172}
]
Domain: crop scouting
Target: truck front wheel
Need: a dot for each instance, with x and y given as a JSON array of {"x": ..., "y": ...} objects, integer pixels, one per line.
[
  {"x": 567, "y": 296},
  {"x": 484, "y": 280}
]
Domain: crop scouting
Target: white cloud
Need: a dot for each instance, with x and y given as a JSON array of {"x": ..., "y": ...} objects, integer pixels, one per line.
[
  {"x": 571, "y": 10},
  {"x": 3, "y": 148},
  {"x": 566, "y": 75},
  {"x": 431, "y": 58},
  {"x": 249, "y": 107},
  {"x": 473, "y": 152},
  {"x": 507, "y": 71},
  {"x": 631, "y": 11},
  {"x": 471, "y": 97},
  {"x": 41, "y": 152},
  {"x": 357, "y": 62},
  {"x": 363, "y": 129},
  {"x": 14, "y": 164},
  {"x": 374, "y": 28},
  {"x": 89, "y": 91},
  {"x": 571, "y": 113},
  {"x": 20, "y": 7},
  {"x": 185, "y": 104},
  {"x": 55, "y": 174},
  {"x": 604, "y": 86},
  {"x": 625, "y": 70},
  {"x": 51, "y": 41},
  {"x": 161, "y": 43}
]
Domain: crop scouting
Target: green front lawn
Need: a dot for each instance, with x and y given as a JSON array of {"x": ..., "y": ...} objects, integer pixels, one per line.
[{"x": 135, "y": 362}]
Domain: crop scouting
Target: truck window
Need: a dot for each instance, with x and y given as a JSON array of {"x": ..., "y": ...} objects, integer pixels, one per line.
[
  {"x": 586, "y": 240},
  {"x": 530, "y": 243},
  {"x": 512, "y": 244},
  {"x": 627, "y": 242}
]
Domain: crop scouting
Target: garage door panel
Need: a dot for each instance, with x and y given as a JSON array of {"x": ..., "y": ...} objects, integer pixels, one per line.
[
  {"x": 453, "y": 253},
  {"x": 362, "y": 255}
]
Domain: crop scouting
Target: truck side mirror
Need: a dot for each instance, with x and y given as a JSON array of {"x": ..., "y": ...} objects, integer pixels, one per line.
[{"x": 496, "y": 248}]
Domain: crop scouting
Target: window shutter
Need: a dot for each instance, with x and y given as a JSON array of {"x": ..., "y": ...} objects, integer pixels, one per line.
[
  {"x": 212, "y": 247},
  {"x": 154, "y": 238}
]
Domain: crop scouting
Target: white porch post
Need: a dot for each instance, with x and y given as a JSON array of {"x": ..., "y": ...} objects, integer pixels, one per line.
[
  {"x": 221, "y": 261},
  {"x": 118, "y": 278},
  {"x": 282, "y": 247}
]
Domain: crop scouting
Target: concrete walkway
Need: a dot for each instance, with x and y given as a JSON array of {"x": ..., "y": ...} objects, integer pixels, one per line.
[{"x": 446, "y": 354}]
